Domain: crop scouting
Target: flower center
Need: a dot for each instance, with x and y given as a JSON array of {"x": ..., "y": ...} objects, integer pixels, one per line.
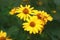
[
  {"x": 25, "y": 11},
  {"x": 2, "y": 38},
  {"x": 32, "y": 24},
  {"x": 39, "y": 16}
]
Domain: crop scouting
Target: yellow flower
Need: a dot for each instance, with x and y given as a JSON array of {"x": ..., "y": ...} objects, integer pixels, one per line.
[
  {"x": 43, "y": 16},
  {"x": 33, "y": 25},
  {"x": 13, "y": 11},
  {"x": 54, "y": 11},
  {"x": 25, "y": 0},
  {"x": 39, "y": 3},
  {"x": 24, "y": 12},
  {"x": 3, "y": 36}
]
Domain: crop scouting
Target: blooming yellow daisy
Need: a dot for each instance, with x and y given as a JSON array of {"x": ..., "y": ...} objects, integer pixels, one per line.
[
  {"x": 43, "y": 16},
  {"x": 33, "y": 25},
  {"x": 24, "y": 12},
  {"x": 13, "y": 11},
  {"x": 3, "y": 36}
]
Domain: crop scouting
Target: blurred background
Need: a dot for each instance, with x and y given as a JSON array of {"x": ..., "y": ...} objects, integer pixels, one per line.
[{"x": 12, "y": 24}]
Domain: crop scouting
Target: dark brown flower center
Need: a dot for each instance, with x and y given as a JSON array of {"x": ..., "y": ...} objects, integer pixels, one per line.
[
  {"x": 25, "y": 11},
  {"x": 32, "y": 24},
  {"x": 39, "y": 16},
  {"x": 2, "y": 38}
]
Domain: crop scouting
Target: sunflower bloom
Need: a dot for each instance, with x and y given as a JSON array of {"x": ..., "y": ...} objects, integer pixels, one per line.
[
  {"x": 13, "y": 11},
  {"x": 33, "y": 25},
  {"x": 3, "y": 36},
  {"x": 24, "y": 12},
  {"x": 41, "y": 15}
]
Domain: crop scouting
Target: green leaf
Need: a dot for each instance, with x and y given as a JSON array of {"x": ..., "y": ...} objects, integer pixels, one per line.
[
  {"x": 53, "y": 30},
  {"x": 13, "y": 31}
]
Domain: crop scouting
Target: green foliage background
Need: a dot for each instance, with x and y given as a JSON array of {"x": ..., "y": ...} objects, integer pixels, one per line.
[{"x": 13, "y": 25}]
